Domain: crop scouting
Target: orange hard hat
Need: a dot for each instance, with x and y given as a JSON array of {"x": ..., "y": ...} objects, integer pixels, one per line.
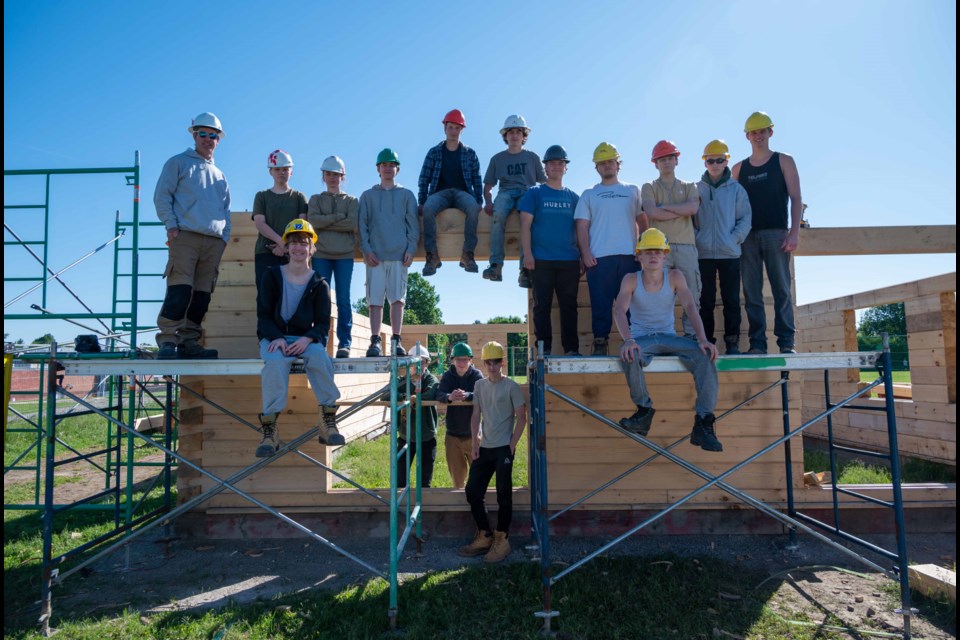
[
  {"x": 663, "y": 149},
  {"x": 456, "y": 117}
]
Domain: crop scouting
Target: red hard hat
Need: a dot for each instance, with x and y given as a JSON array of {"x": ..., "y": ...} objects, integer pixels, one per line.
[
  {"x": 456, "y": 117},
  {"x": 663, "y": 149}
]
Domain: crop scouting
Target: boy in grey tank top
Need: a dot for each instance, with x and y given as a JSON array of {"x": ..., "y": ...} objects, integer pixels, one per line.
[{"x": 649, "y": 295}]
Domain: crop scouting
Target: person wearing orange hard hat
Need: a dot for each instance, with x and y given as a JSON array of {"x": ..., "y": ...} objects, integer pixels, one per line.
[
  {"x": 450, "y": 177},
  {"x": 771, "y": 180}
]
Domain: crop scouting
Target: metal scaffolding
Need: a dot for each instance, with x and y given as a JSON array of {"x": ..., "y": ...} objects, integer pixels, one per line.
[{"x": 541, "y": 516}]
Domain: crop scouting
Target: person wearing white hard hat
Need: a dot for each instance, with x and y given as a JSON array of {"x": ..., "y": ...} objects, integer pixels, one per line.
[
  {"x": 193, "y": 203},
  {"x": 515, "y": 170},
  {"x": 273, "y": 209},
  {"x": 334, "y": 215}
]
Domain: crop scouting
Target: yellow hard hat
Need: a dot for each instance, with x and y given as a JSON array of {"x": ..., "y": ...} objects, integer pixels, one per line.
[
  {"x": 492, "y": 351},
  {"x": 653, "y": 239},
  {"x": 758, "y": 120},
  {"x": 605, "y": 151},
  {"x": 716, "y": 148},
  {"x": 299, "y": 225}
]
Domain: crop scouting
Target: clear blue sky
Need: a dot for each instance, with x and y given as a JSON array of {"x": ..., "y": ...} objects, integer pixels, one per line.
[{"x": 863, "y": 94}]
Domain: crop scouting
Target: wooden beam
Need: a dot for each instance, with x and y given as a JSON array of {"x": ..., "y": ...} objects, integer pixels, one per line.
[
  {"x": 931, "y": 579},
  {"x": 866, "y": 241}
]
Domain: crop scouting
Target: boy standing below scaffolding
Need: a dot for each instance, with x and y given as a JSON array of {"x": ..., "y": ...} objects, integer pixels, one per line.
[
  {"x": 457, "y": 385},
  {"x": 193, "y": 203},
  {"x": 424, "y": 388},
  {"x": 516, "y": 170},
  {"x": 273, "y": 209},
  {"x": 649, "y": 296},
  {"x": 499, "y": 417}
]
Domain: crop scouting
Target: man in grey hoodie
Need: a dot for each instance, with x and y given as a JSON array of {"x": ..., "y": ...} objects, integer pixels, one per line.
[
  {"x": 389, "y": 232},
  {"x": 193, "y": 203}
]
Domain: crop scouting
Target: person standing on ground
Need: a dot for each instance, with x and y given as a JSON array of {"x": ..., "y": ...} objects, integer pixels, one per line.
[
  {"x": 423, "y": 387},
  {"x": 724, "y": 222},
  {"x": 771, "y": 180},
  {"x": 456, "y": 385},
  {"x": 389, "y": 233},
  {"x": 273, "y": 209},
  {"x": 549, "y": 240},
  {"x": 609, "y": 218},
  {"x": 334, "y": 216},
  {"x": 193, "y": 203},
  {"x": 450, "y": 177},
  {"x": 496, "y": 425}
]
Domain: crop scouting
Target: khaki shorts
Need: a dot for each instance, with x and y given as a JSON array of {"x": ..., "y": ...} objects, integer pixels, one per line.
[
  {"x": 194, "y": 260},
  {"x": 386, "y": 280}
]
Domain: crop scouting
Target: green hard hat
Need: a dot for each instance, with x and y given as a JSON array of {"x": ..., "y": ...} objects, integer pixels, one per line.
[
  {"x": 460, "y": 350},
  {"x": 388, "y": 155}
]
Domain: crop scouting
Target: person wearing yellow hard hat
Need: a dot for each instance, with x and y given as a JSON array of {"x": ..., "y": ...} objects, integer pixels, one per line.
[
  {"x": 273, "y": 209},
  {"x": 608, "y": 219},
  {"x": 499, "y": 417},
  {"x": 771, "y": 180},
  {"x": 724, "y": 222},
  {"x": 293, "y": 321},
  {"x": 649, "y": 297}
]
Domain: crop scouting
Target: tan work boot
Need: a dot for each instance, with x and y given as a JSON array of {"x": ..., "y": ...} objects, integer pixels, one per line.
[
  {"x": 270, "y": 435},
  {"x": 468, "y": 263},
  {"x": 500, "y": 548},
  {"x": 329, "y": 434},
  {"x": 480, "y": 545}
]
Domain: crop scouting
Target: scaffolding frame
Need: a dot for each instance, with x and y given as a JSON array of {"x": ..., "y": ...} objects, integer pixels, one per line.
[{"x": 541, "y": 517}]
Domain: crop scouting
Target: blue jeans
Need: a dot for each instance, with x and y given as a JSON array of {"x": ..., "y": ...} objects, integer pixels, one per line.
[
  {"x": 341, "y": 271},
  {"x": 505, "y": 202},
  {"x": 696, "y": 362},
  {"x": 762, "y": 249},
  {"x": 603, "y": 280},
  {"x": 275, "y": 376},
  {"x": 446, "y": 199}
]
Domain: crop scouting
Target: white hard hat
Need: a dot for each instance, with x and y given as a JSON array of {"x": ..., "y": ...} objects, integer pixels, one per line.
[
  {"x": 279, "y": 158},
  {"x": 333, "y": 164},
  {"x": 514, "y": 122},
  {"x": 206, "y": 119},
  {"x": 420, "y": 351}
]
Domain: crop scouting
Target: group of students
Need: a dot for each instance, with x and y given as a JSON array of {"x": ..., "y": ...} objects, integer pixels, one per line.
[{"x": 732, "y": 223}]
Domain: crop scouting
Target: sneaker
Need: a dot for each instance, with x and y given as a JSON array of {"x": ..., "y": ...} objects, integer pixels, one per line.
[
  {"x": 600, "y": 346},
  {"x": 480, "y": 545},
  {"x": 269, "y": 436},
  {"x": 396, "y": 348},
  {"x": 343, "y": 352},
  {"x": 375, "y": 350},
  {"x": 329, "y": 434},
  {"x": 756, "y": 351},
  {"x": 168, "y": 351},
  {"x": 524, "y": 279},
  {"x": 787, "y": 350},
  {"x": 432, "y": 264},
  {"x": 639, "y": 423},
  {"x": 500, "y": 548},
  {"x": 704, "y": 434},
  {"x": 468, "y": 263},
  {"x": 493, "y": 272},
  {"x": 191, "y": 350}
]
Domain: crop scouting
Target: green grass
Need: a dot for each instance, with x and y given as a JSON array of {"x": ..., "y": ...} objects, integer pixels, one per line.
[
  {"x": 859, "y": 472},
  {"x": 899, "y": 377}
]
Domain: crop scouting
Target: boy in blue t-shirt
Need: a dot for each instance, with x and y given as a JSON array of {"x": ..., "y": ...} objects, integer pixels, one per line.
[
  {"x": 516, "y": 170},
  {"x": 548, "y": 240}
]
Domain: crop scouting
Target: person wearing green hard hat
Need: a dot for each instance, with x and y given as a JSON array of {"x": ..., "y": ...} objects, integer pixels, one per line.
[
  {"x": 456, "y": 385},
  {"x": 389, "y": 232}
]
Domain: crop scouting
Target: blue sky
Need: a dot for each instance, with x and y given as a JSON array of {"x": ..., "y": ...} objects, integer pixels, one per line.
[{"x": 863, "y": 94}]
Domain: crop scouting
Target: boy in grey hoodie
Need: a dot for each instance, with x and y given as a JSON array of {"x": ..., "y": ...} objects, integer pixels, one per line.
[{"x": 389, "y": 232}]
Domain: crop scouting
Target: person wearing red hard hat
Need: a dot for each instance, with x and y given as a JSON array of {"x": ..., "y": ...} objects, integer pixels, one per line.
[
  {"x": 273, "y": 209},
  {"x": 671, "y": 205},
  {"x": 771, "y": 180},
  {"x": 450, "y": 177}
]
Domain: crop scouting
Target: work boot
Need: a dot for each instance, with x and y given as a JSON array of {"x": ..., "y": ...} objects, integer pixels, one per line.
[
  {"x": 733, "y": 347},
  {"x": 343, "y": 352},
  {"x": 493, "y": 272},
  {"x": 524, "y": 279},
  {"x": 329, "y": 434},
  {"x": 269, "y": 435},
  {"x": 480, "y": 545},
  {"x": 500, "y": 548},
  {"x": 396, "y": 348},
  {"x": 757, "y": 351},
  {"x": 468, "y": 263},
  {"x": 168, "y": 351},
  {"x": 191, "y": 350},
  {"x": 432, "y": 264},
  {"x": 704, "y": 434},
  {"x": 600, "y": 346},
  {"x": 572, "y": 353},
  {"x": 639, "y": 423},
  {"x": 787, "y": 350},
  {"x": 375, "y": 350}
]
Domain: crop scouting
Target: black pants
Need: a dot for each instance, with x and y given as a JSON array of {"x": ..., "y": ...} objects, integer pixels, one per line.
[
  {"x": 428, "y": 449},
  {"x": 497, "y": 460},
  {"x": 562, "y": 277},
  {"x": 262, "y": 262},
  {"x": 729, "y": 271}
]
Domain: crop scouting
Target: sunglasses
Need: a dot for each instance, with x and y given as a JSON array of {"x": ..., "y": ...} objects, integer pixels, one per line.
[
  {"x": 212, "y": 136},
  {"x": 716, "y": 160}
]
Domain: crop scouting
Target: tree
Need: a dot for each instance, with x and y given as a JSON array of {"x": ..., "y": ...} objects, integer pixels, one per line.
[
  {"x": 46, "y": 338},
  {"x": 513, "y": 339},
  {"x": 422, "y": 304},
  {"x": 892, "y": 320}
]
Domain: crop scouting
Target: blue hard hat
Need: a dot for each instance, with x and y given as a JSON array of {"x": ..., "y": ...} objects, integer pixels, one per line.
[{"x": 556, "y": 152}]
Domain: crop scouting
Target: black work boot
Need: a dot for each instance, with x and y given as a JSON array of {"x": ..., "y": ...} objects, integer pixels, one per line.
[
  {"x": 600, "y": 346},
  {"x": 494, "y": 272},
  {"x": 191, "y": 350},
  {"x": 396, "y": 349},
  {"x": 704, "y": 434},
  {"x": 432, "y": 264},
  {"x": 733, "y": 346},
  {"x": 639, "y": 423},
  {"x": 168, "y": 351},
  {"x": 269, "y": 435},
  {"x": 375, "y": 350},
  {"x": 525, "y": 279}
]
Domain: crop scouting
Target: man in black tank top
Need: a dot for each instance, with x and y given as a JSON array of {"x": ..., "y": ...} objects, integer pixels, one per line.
[{"x": 770, "y": 179}]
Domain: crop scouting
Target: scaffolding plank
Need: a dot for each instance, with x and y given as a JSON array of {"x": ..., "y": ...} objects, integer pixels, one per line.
[
  {"x": 237, "y": 366},
  {"x": 661, "y": 364}
]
